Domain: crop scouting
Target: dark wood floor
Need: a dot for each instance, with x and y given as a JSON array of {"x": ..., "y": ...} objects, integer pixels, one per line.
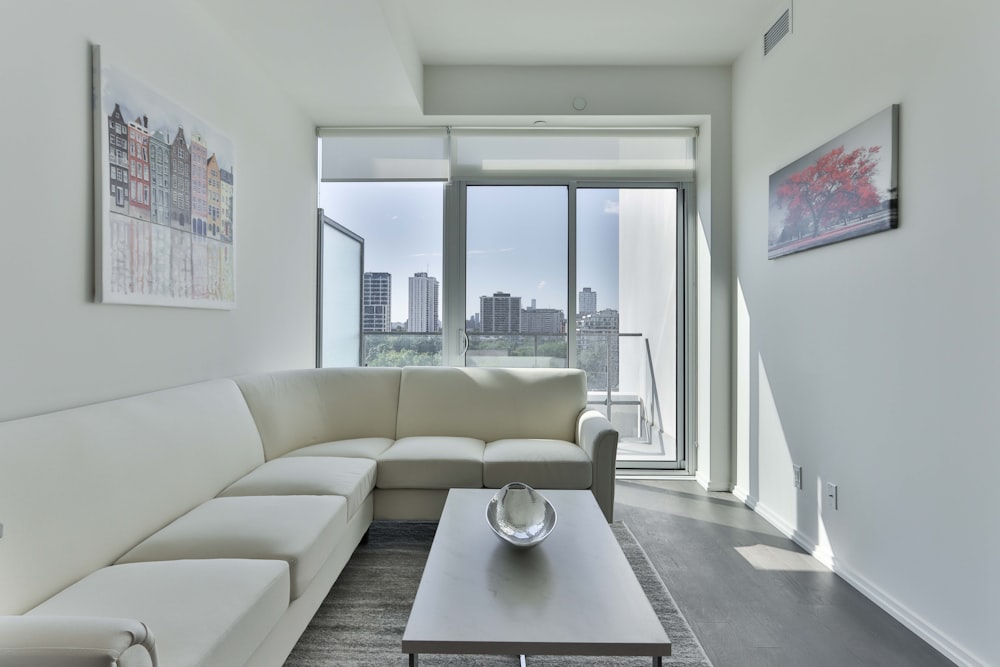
[{"x": 752, "y": 596}]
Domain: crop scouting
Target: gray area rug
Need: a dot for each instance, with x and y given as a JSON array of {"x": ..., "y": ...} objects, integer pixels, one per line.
[{"x": 361, "y": 622}]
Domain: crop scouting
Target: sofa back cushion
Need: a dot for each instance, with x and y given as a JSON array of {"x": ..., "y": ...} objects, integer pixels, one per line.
[
  {"x": 80, "y": 487},
  {"x": 304, "y": 407},
  {"x": 491, "y": 403}
]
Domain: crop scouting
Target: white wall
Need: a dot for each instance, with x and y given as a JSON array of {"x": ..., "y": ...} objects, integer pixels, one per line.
[
  {"x": 57, "y": 347},
  {"x": 874, "y": 363}
]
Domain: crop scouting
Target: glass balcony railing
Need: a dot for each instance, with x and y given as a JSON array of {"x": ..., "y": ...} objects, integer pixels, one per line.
[
  {"x": 610, "y": 386},
  {"x": 399, "y": 348},
  {"x": 516, "y": 350}
]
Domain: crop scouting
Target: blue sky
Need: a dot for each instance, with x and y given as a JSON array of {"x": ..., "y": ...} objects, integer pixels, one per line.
[{"x": 516, "y": 238}]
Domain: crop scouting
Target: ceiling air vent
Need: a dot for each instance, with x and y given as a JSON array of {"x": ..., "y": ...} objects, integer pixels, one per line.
[{"x": 776, "y": 32}]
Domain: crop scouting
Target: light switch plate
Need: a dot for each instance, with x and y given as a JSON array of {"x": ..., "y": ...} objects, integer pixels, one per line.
[{"x": 831, "y": 496}]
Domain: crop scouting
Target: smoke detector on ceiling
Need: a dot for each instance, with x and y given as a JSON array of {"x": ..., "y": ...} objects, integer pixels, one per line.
[{"x": 779, "y": 29}]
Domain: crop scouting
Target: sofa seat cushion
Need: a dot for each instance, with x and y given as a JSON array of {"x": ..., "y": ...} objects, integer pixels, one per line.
[
  {"x": 543, "y": 464},
  {"x": 360, "y": 448},
  {"x": 351, "y": 478},
  {"x": 432, "y": 462},
  {"x": 300, "y": 530},
  {"x": 201, "y": 612}
]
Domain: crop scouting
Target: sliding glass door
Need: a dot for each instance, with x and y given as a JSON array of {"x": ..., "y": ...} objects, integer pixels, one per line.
[
  {"x": 574, "y": 275},
  {"x": 629, "y": 307}
]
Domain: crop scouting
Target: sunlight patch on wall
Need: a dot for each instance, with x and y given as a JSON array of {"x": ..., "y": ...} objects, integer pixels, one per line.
[
  {"x": 743, "y": 481},
  {"x": 776, "y": 489},
  {"x": 824, "y": 549}
]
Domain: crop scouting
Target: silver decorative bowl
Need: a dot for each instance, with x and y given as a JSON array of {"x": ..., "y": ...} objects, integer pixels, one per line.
[{"x": 520, "y": 516}]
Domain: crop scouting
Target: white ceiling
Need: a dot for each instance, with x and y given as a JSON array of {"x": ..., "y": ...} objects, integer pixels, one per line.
[{"x": 362, "y": 61}]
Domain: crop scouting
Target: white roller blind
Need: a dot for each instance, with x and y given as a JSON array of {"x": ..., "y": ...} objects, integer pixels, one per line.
[
  {"x": 435, "y": 154},
  {"x": 666, "y": 155},
  {"x": 384, "y": 155}
]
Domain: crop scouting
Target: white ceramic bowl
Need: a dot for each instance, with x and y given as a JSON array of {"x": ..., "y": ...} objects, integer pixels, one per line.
[{"x": 520, "y": 516}]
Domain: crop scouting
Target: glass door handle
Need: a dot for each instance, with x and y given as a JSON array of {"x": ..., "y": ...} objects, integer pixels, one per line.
[{"x": 463, "y": 342}]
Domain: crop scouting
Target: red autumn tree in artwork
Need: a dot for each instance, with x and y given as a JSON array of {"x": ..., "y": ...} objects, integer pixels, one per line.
[{"x": 835, "y": 189}]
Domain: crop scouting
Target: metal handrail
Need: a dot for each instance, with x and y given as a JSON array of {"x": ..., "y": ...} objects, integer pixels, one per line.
[
  {"x": 608, "y": 401},
  {"x": 654, "y": 394}
]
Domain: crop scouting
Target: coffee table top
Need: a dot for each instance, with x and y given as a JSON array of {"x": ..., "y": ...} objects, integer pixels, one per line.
[{"x": 573, "y": 594}]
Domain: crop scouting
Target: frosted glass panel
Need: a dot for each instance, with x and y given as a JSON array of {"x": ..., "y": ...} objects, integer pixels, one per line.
[{"x": 341, "y": 296}]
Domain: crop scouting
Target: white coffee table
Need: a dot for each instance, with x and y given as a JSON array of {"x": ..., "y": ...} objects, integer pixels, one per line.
[{"x": 573, "y": 594}]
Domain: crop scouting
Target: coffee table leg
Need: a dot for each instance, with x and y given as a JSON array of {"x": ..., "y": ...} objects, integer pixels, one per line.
[
  {"x": 524, "y": 661},
  {"x": 657, "y": 661},
  {"x": 413, "y": 660}
]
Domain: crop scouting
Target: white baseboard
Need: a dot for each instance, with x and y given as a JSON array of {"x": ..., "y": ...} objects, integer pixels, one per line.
[
  {"x": 889, "y": 604},
  {"x": 824, "y": 556},
  {"x": 709, "y": 485},
  {"x": 743, "y": 495}
]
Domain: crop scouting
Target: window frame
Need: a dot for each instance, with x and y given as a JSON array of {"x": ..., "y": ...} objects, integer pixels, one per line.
[{"x": 454, "y": 341}]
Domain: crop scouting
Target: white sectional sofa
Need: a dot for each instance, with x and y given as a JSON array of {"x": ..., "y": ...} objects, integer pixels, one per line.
[{"x": 204, "y": 525}]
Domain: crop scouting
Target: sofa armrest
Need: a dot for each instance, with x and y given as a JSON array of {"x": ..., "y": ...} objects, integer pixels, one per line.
[
  {"x": 599, "y": 439},
  {"x": 75, "y": 641}
]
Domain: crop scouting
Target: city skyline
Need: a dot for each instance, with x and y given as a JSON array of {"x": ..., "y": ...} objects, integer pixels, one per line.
[
  {"x": 423, "y": 301},
  {"x": 402, "y": 224}
]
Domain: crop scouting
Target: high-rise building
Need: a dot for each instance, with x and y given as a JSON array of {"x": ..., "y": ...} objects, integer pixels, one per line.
[
  {"x": 597, "y": 348},
  {"x": 588, "y": 301},
  {"x": 376, "y": 302},
  {"x": 500, "y": 313},
  {"x": 543, "y": 320},
  {"x": 423, "y": 309}
]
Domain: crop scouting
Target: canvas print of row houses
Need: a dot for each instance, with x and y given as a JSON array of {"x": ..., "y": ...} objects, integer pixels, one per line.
[{"x": 165, "y": 178}]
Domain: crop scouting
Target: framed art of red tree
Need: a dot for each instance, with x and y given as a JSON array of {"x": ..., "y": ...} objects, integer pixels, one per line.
[{"x": 844, "y": 189}]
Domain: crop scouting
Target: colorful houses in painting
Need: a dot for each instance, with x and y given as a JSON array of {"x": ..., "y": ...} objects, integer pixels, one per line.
[
  {"x": 226, "y": 195},
  {"x": 138, "y": 168},
  {"x": 199, "y": 189},
  {"x": 180, "y": 182},
  {"x": 159, "y": 179},
  {"x": 214, "y": 197},
  {"x": 168, "y": 182},
  {"x": 118, "y": 161}
]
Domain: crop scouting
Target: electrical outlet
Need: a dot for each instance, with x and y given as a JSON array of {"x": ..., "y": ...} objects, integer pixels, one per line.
[
  {"x": 831, "y": 496},
  {"x": 797, "y": 476}
]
